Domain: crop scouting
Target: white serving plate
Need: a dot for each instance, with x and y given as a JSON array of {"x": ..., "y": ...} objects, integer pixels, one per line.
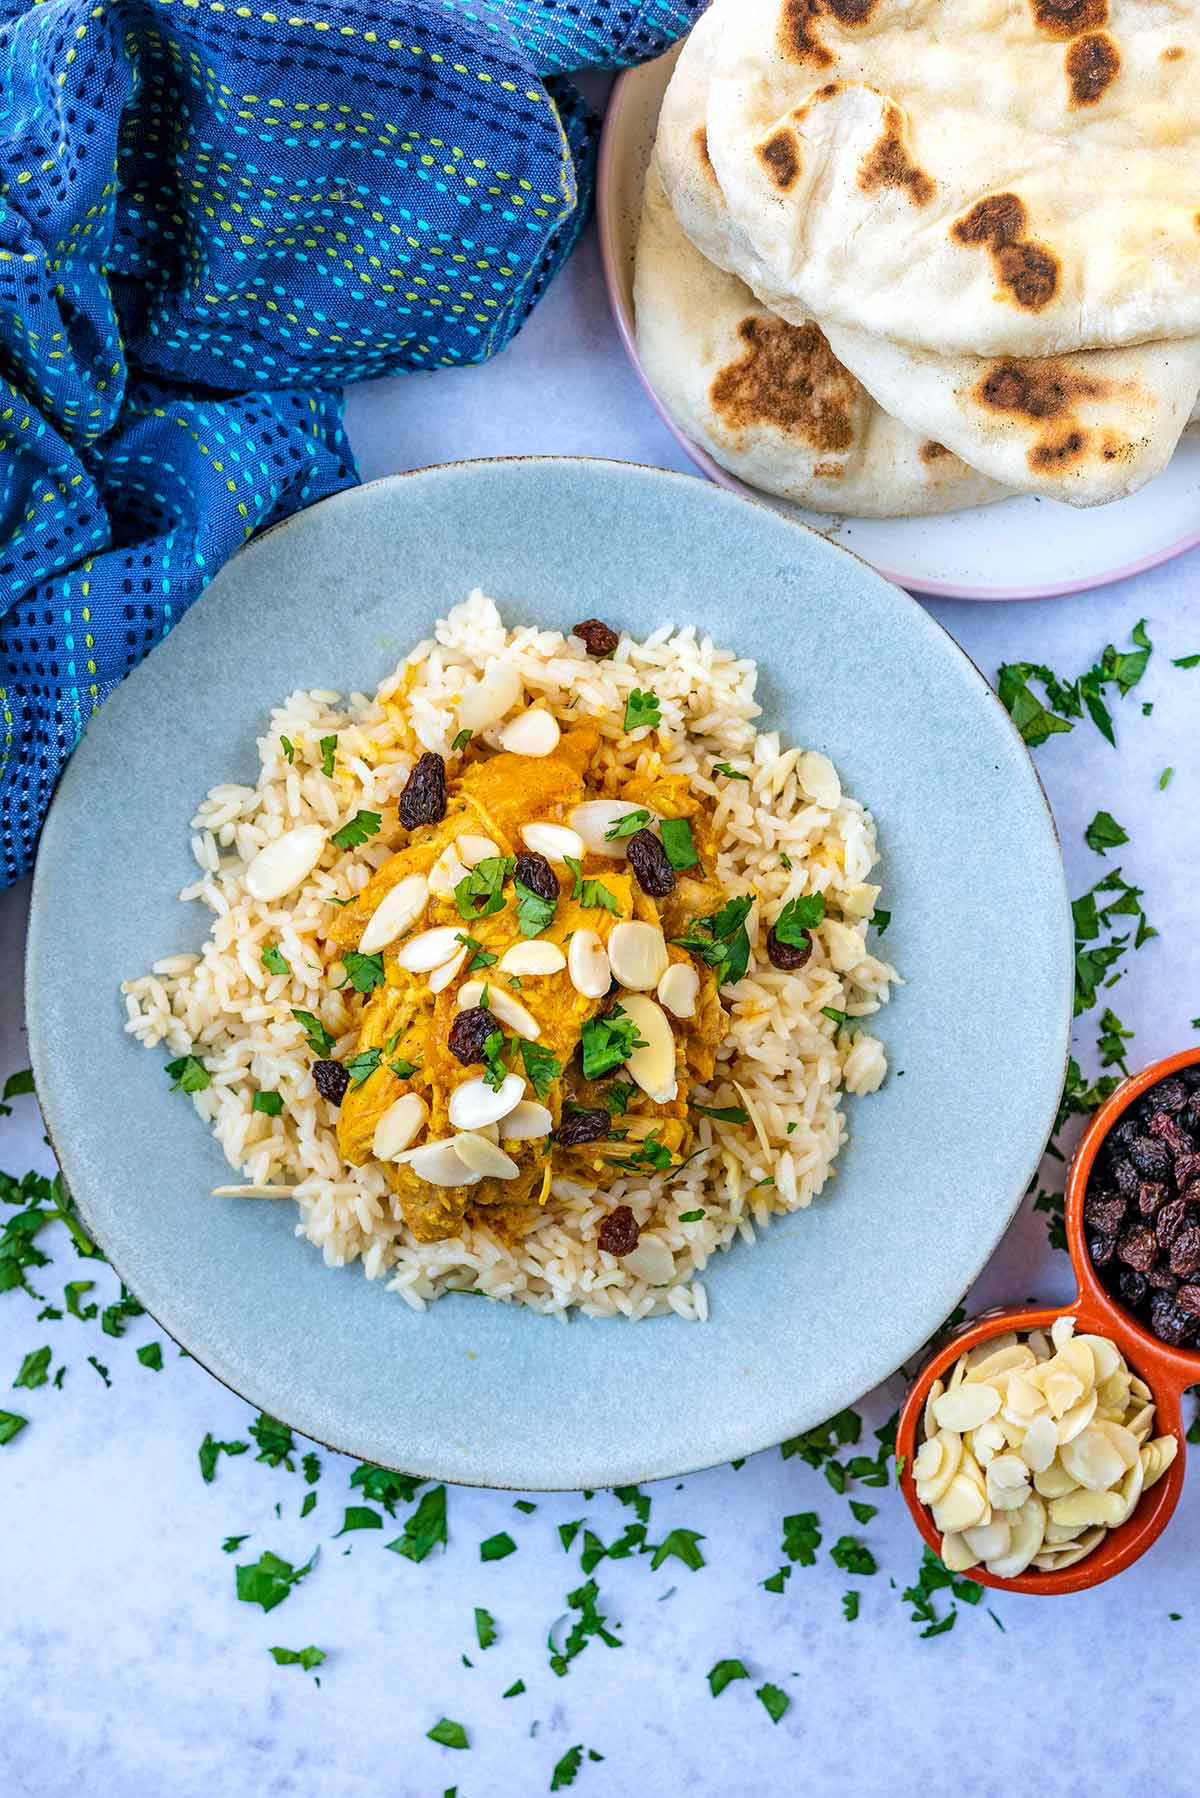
[{"x": 1021, "y": 548}]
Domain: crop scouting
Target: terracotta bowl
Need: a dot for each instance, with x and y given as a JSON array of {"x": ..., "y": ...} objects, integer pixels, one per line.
[{"x": 1167, "y": 1371}]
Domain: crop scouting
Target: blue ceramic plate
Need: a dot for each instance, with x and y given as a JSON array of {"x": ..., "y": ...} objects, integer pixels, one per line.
[{"x": 829, "y": 1301}]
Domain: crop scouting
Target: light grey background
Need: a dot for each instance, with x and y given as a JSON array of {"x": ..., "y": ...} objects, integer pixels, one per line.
[{"x": 128, "y": 1667}]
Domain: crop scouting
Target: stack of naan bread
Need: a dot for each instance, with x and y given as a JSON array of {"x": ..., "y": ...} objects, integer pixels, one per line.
[{"x": 903, "y": 256}]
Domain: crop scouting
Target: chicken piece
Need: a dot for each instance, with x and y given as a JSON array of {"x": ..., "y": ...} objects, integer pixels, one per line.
[{"x": 394, "y": 1021}]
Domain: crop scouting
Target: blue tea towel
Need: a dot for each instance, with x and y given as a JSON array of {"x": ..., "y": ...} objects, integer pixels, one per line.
[{"x": 211, "y": 216}]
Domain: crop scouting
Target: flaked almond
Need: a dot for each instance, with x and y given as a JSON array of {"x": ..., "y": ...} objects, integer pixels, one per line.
[
  {"x": 528, "y": 1120},
  {"x": 588, "y": 964},
  {"x": 506, "y": 1008},
  {"x": 429, "y": 949},
  {"x": 595, "y": 817},
  {"x": 281, "y": 865},
  {"x": 472, "y": 849},
  {"x": 679, "y": 989},
  {"x": 439, "y": 1164},
  {"x": 534, "y": 732},
  {"x": 449, "y": 970},
  {"x": 533, "y": 957},
  {"x": 399, "y": 1126},
  {"x": 484, "y": 1157},
  {"x": 395, "y": 913},
  {"x": 554, "y": 841},
  {"x": 446, "y": 872},
  {"x": 637, "y": 954},
  {"x": 489, "y": 699},
  {"x": 819, "y": 779},
  {"x": 651, "y": 1261},
  {"x": 653, "y": 1066},
  {"x": 475, "y": 1104}
]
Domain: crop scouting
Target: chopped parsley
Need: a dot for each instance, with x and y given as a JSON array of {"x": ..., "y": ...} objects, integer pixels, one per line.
[
  {"x": 724, "y": 1114},
  {"x": 652, "y": 1153},
  {"x": 773, "y": 1701},
  {"x": 514, "y": 1691},
  {"x": 72, "y": 1294},
  {"x": 1104, "y": 833},
  {"x": 850, "y": 1602},
  {"x": 315, "y": 1033},
  {"x": 593, "y": 895},
  {"x": 497, "y": 1547},
  {"x": 360, "y": 827},
  {"x": 677, "y": 840},
  {"x": 10, "y": 1426},
  {"x": 151, "y": 1356},
  {"x": 1067, "y": 701},
  {"x": 534, "y": 914},
  {"x": 425, "y": 1530},
  {"x": 448, "y": 1734},
  {"x": 460, "y": 742},
  {"x": 188, "y": 1073},
  {"x": 100, "y": 1369},
  {"x": 496, "y": 1069},
  {"x": 270, "y": 1579},
  {"x": 626, "y": 826},
  {"x": 379, "y": 1484},
  {"x": 642, "y": 709},
  {"x": 231, "y": 1544},
  {"x": 881, "y": 919},
  {"x": 1164, "y": 779},
  {"x": 724, "y": 1674},
  {"x": 616, "y": 1099},
  {"x": 289, "y": 749},
  {"x": 935, "y": 1577},
  {"x": 485, "y": 1627},
  {"x": 541, "y": 1068},
  {"x": 802, "y": 1537},
  {"x": 832, "y": 1012},
  {"x": 360, "y": 1067},
  {"x": 721, "y": 940},
  {"x": 276, "y": 1444},
  {"x": 591, "y": 1622},
  {"x": 691, "y": 1217},
  {"x": 777, "y": 1581},
  {"x": 679, "y": 1545},
  {"x": 863, "y": 1512},
  {"x": 479, "y": 956},
  {"x": 608, "y": 1042},
  {"x": 308, "y": 1658},
  {"x": 852, "y": 1556},
  {"x": 798, "y": 919},
  {"x": 274, "y": 960},
  {"x": 270, "y": 1104},
  {"x": 359, "y": 1517},
  {"x": 113, "y": 1317},
  {"x": 328, "y": 751},
  {"x": 210, "y": 1452},
  {"x": 481, "y": 892},
  {"x": 14, "y": 1087},
  {"x": 402, "y": 1069},
  {"x": 729, "y": 772},
  {"x": 34, "y": 1369},
  {"x": 1186, "y": 661},
  {"x": 364, "y": 972}
]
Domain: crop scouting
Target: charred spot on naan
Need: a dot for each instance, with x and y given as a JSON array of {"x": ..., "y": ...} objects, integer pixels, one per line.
[
  {"x": 932, "y": 452},
  {"x": 798, "y": 26},
  {"x": 1026, "y": 268},
  {"x": 829, "y": 471},
  {"x": 791, "y": 379},
  {"x": 889, "y": 164},
  {"x": 1093, "y": 64},
  {"x": 780, "y": 156},
  {"x": 1173, "y": 53},
  {"x": 1044, "y": 393},
  {"x": 1069, "y": 18}
]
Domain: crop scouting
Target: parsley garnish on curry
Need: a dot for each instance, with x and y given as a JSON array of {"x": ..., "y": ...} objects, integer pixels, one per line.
[
  {"x": 540, "y": 974},
  {"x": 549, "y": 989}
]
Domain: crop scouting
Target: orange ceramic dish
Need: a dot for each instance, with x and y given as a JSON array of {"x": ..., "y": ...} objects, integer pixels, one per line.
[{"x": 1167, "y": 1371}]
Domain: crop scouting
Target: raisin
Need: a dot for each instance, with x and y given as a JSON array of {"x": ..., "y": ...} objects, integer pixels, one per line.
[
  {"x": 579, "y": 1127},
  {"x": 1165, "y": 1129},
  {"x": 599, "y": 639},
  {"x": 648, "y": 859},
  {"x": 1152, "y": 1196},
  {"x": 1151, "y": 1158},
  {"x": 1126, "y": 1178},
  {"x": 1102, "y": 1246},
  {"x": 1122, "y": 1135},
  {"x": 786, "y": 955},
  {"x": 331, "y": 1080},
  {"x": 1188, "y": 1299},
  {"x": 1132, "y": 1286},
  {"x": 468, "y": 1033},
  {"x": 1190, "y": 1194},
  {"x": 1104, "y": 1211},
  {"x": 423, "y": 800},
  {"x": 1190, "y": 1076},
  {"x": 1162, "y": 1280},
  {"x": 619, "y": 1232},
  {"x": 535, "y": 872},
  {"x": 1138, "y": 1249},
  {"x": 1187, "y": 1169},
  {"x": 1184, "y": 1254},
  {"x": 1171, "y": 1095},
  {"x": 1169, "y": 1323},
  {"x": 1175, "y": 1216}
]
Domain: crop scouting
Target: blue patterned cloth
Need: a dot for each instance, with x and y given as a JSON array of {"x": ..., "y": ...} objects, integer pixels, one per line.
[{"x": 211, "y": 216}]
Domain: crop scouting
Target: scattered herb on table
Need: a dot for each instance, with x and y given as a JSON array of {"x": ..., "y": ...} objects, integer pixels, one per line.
[
  {"x": 1104, "y": 833},
  {"x": 448, "y": 1734},
  {"x": 270, "y": 1579},
  {"x": 591, "y": 1623},
  {"x": 514, "y": 1691},
  {"x": 308, "y": 1658},
  {"x": 210, "y": 1452},
  {"x": 497, "y": 1547},
  {"x": 14, "y": 1088},
  {"x": 425, "y": 1530},
  {"x": 850, "y": 1603},
  {"x": 11, "y": 1426},
  {"x": 724, "y": 1674},
  {"x": 679, "y": 1545},
  {"x": 377, "y": 1484},
  {"x": 150, "y": 1355},
  {"x": 34, "y": 1369},
  {"x": 276, "y": 1444},
  {"x": 359, "y": 1517},
  {"x": 802, "y": 1537},
  {"x": 485, "y": 1627},
  {"x": 773, "y": 1701},
  {"x": 1164, "y": 779}
]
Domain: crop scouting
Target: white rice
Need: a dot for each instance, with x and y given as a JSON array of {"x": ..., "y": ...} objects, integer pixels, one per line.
[{"x": 782, "y": 1059}]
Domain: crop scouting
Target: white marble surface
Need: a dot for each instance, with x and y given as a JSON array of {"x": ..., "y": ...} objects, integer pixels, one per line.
[{"x": 127, "y": 1666}]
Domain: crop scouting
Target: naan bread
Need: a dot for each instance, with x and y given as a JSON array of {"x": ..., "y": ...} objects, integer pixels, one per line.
[
  {"x": 769, "y": 399},
  {"x": 981, "y": 177}
]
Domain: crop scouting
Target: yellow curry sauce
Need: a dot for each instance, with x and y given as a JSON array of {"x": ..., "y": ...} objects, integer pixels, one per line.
[{"x": 494, "y": 796}]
